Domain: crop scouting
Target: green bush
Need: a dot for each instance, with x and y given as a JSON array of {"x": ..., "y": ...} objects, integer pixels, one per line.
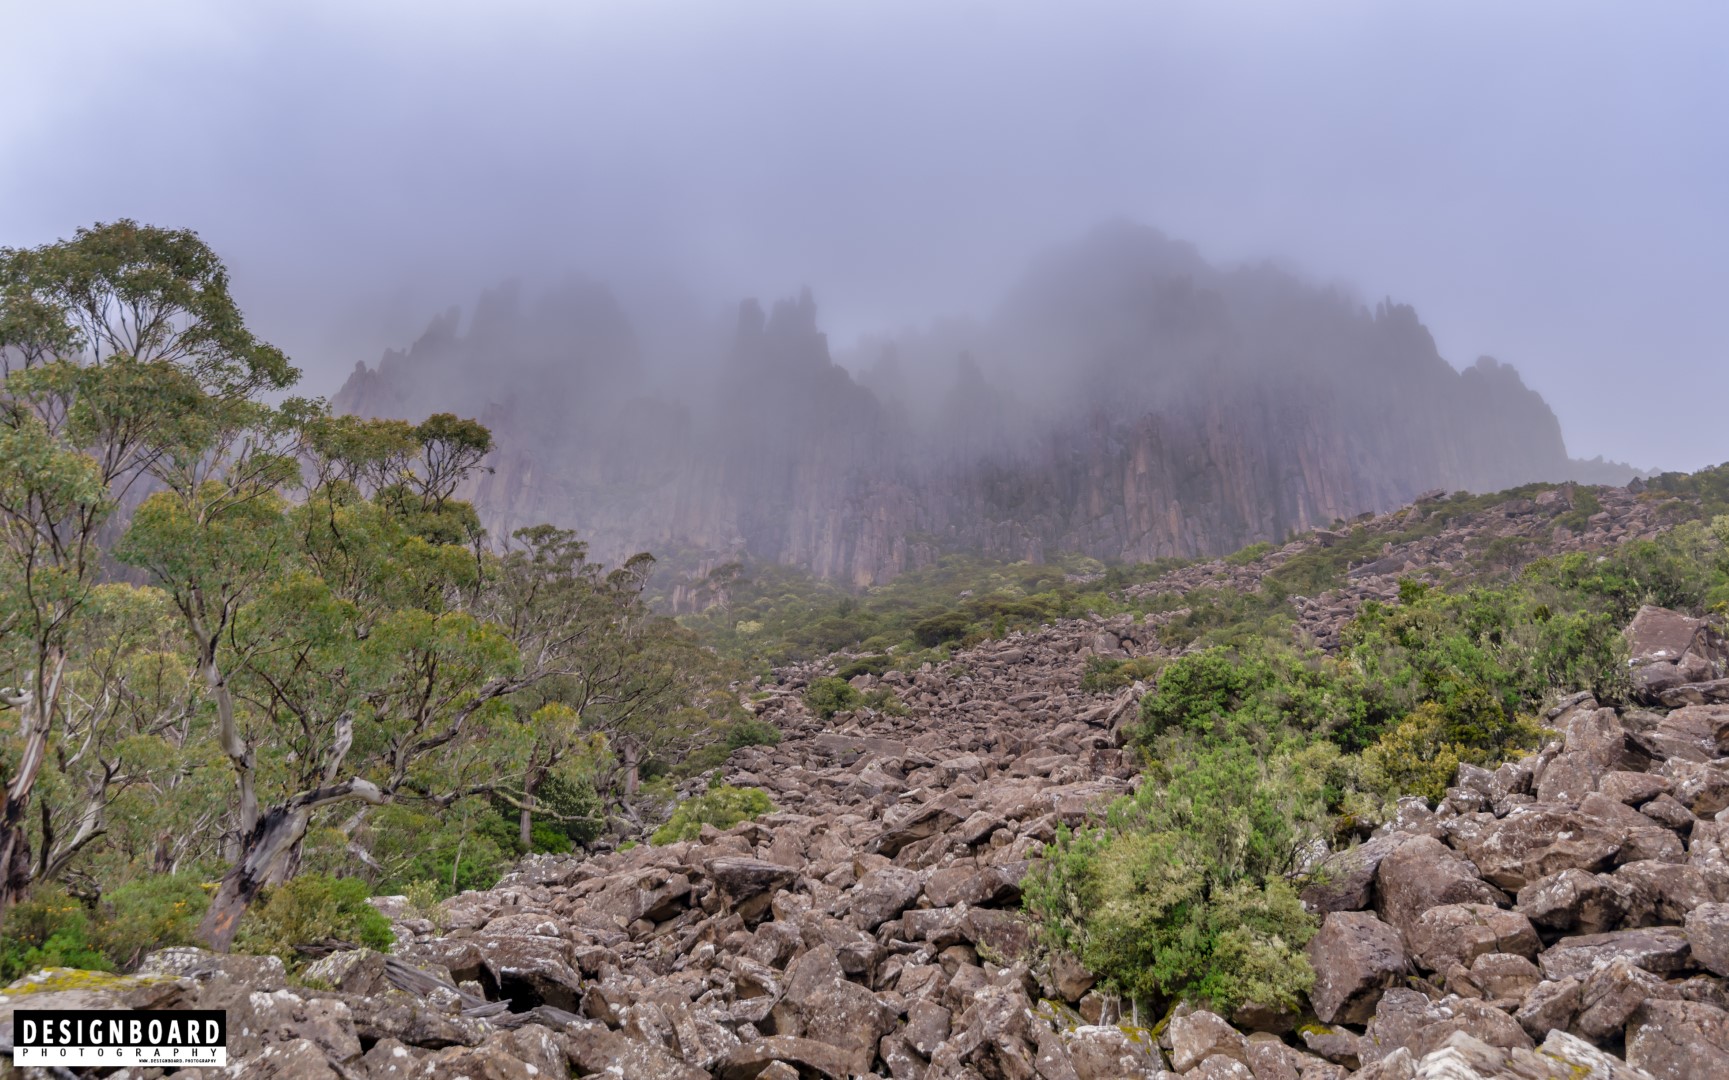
[
  {"x": 723, "y": 807},
  {"x": 1421, "y": 754},
  {"x": 866, "y": 665},
  {"x": 828, "y": 695},
  {"x": 49, "y": 929},
  {"x": 313, "y": 909},
  {"x": 468, "y": 846},
  {"x": 1183, "y": 894},
  {"x": 1249, "y": 554},
  {"x": 883, "y": 700},
  {"x": 53, "y": 929},
  {"x": 1256, "y": 692},
  {"x": 1105, "y": 673},
  {"x": 150, "y": 913},
  {"x": 752, "y": 731},
  {"x": 949, "y": 626},
  {"x": 568, "y": 806}
]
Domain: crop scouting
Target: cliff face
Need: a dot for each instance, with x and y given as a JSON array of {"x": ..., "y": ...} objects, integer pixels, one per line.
[{"x": 1128, "y": 402}]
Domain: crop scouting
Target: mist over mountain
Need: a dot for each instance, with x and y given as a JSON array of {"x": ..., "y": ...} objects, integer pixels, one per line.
[{"x": 1126, "y": 400}]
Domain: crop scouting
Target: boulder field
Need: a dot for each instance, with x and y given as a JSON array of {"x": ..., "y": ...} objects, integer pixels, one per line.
[{"x": 1562, "y": 916}]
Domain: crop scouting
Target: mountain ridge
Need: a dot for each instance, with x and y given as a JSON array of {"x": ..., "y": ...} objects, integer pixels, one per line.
[{"x": 1128, "y": 402}]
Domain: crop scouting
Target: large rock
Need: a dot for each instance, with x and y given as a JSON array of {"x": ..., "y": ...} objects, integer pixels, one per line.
[
  {"x": 1456, "y": 934},
  {"x": 654, "y": 894},
  {"x": 994, "y": 1035},
  {"x": 1549, "y": 1006},
  {"x": 1707, "y": 930},
  {"x": 820, "y": 1003},
  {"x": 1661, "y": 950},
  {"x": 1346, "y": 881},
  {"x": 749, "y": 1060},
  {"x": 1691, "y": 733},
  {"x": 1425, "y": 873},
  {"x": 1110, "y": 1053},
  {"x": 1409, "y": 1020},
  {"x": 748, "y": 885},
  {"x": 882, "y": 895},
  {"x": 1673, "y": 1040},
  {"x": 1658, "y": 635},
  {"x": 527, "y": 1053},
  {"x": 1612, "y": 993},
  {"x": 1674, "y": 888},
  {"x": 1356, "y": 957},
  {"x": 1535, "y": 841},
  {"x": 1700, "y": 786},
  {"x": 1575, "y": 900},
  {"x": 1199, "y": 1035}
]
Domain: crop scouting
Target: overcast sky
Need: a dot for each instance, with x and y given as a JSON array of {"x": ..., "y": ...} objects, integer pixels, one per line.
[{"x": 1547, "y": 183}]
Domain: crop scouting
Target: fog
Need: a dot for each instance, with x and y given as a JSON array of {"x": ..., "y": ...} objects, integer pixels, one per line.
[{"x": 1543, "y": 182}]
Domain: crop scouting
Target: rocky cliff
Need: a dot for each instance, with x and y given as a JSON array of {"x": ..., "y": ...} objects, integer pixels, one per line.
[{"x": 1128, "y": 401}]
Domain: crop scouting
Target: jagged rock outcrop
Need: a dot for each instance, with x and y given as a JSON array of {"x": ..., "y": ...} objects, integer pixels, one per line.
[{"x": 1130, "y": 402}]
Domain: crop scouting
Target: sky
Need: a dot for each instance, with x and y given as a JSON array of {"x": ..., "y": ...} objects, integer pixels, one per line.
[{"x": 1546, "y": 182}]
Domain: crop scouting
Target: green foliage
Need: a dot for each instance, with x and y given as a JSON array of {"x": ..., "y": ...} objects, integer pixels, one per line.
[
  {"x": 314, "y": 909},
  {"x": 723, "y": 807},
  {"x": 50, "y": 929},
  {"x": 1247, "y": 555},
  {"x": 1421, "y": 753},
  {"x": 468, "y": 847},
  {"x": 752, "y": 731},
  {"x": 1183, "y": 892},
  {"x": 568, "y": 812},
  {"x": 112, "y": 933},
  {"x": 150, "y": 913},
  {"x": 1585, "y": 503},
  {"x": 938, "y": 629},
  {"x": 866, "y": 665},
  {"x": 828, "y": 695},
  {"x": 1260, "y": 693},
  {"x": 1105, "y": 673},
  {"x": 884, "y": 700},
  {"x": 775, "y": 613}
]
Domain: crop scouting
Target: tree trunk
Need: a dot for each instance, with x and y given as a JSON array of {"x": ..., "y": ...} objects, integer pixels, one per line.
[
  {"x": 38, "y": 715},
  {"x": 632, "y": 780},
  {"x": 525, "y": 818},
  {"x": 239, "y": 754},
  {"x": 275, "y": 838}
]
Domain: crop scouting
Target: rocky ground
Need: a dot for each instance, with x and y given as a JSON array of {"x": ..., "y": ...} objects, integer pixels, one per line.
[{"x": 1561, "y": 917}]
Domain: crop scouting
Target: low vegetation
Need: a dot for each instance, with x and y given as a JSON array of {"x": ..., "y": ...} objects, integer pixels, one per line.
[
  {"x": 721, "y": 806},
  {"x": 1259, "y": 756}
]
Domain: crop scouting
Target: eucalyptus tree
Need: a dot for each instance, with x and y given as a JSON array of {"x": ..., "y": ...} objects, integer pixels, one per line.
[{"x": 117, "y": 349}]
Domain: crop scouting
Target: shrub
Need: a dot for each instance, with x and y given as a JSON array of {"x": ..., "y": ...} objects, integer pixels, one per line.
[
  {"x": 1249, "y": 554},
  {"x": 48, "y": 929},
  {"x": 829, "y": 695},
  {"x": 568, "y": 806},
  {"x": 1183, "y": 893},
  {"x": 468, "y": 846},
  {"x": 866, "y": 665},
  {"x": 883, "y": 700},
  {"x": 1257, "y": 691},
  {"x": 313, "y": 909},
  {"x": 1421, "y": 754},
  {"x": 53, "y": 929},
  {"x": 752, "y": 731},
  {"x": 723, "y": 807},
  {"x": 1105, "y": 673},
  {"x": 151, "y": 913},
  {"x": 949, "y": 626}
]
